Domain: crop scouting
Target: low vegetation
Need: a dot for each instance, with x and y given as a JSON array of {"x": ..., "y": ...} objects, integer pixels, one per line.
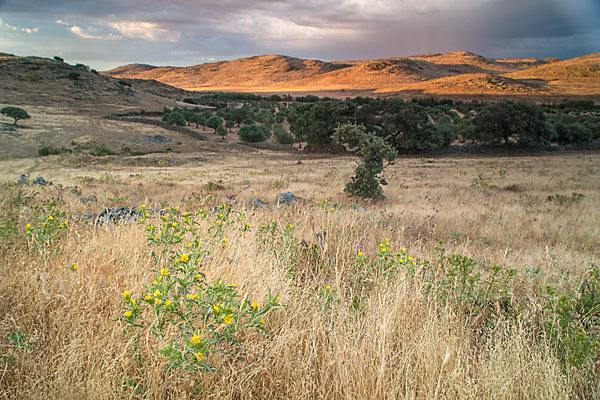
[{"x": 421, "y": 295}]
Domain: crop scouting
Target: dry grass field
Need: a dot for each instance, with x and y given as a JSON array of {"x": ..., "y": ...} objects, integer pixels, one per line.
[{"x": 353, "y": 320}]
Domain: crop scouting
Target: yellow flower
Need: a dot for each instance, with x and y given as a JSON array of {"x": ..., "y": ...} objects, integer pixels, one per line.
[
  {"x": 74, "y": 267},
  {"x": 157, "y": 301},
  {"x": 228, "y": 319},
  {"x": 220, "y": 282},
  {"x": 255, "y": 305},
  {"x": 332, "y": 209},
  {"x": 291, "y": 226},
  {"x": 383, "y": 250},
  {"x": 381, "y": 245},
  {"x": 360, "y": 253},
  {"x": 126, "y": 294},
  {"x": 147, "y": 215},
  {"x": 262, "y": 226},
  {"x": 327, "y": 287},
  {"x": 148, "y": 297},
  {"x": 168, "y": 302},
  {"x": 404, "y": 249},
  {"x": 387, "y": 243},
  {"x": 199, "y": 356},
  {"x": 133, "y": 301},
  {"x": 164, "y": 271},
  {"x": 28, "y": 226},
  {"x": 128, "y": 314},
  {"x": 155, "y": 282},
  {"x": 196, "y": 339},
  {"x": 157, "y": 293},
  {"x": 217, "y": 308},
  {"x": 194, "y": 296},
  {"x": 43, "y": 224},
  {"x": 143, "y": 206},
  {"x": 262, "y": 321},
  {"x": 184, "y": 257},
  {"x": 198, "y": 276},
  {"x": 66, "y": 223},
  {"x": 277, "y": 299},
  {"x": 316, "y": 203},
  {"x": 177, "y": 208},
  {"x": 149, "y": 235},
  {"x": 410, "y": 258},
  {"x": 142, "y": 220},
  {"x": 231, "y": 285},
  {"x": 174, "y": 224},
  {"x": 51, "y": 218},
  {"x": 224, "y": 240},
  {"x": 164, "y": 217},
  {"x": 185, "y": 214}
]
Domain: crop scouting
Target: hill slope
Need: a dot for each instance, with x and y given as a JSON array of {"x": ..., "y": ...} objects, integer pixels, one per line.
[
  {"x": 459, "y": 72},
  {"x": 47, "y": 82}
]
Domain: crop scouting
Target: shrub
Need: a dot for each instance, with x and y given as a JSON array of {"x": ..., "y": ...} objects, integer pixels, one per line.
[
  {"x": 33, "y": 76},
  {"x": 253, "y": 133},
  {"x": 174, "y": 118},
  {"x": 47, "y": 150},
  {"x": 373, "y": 151},
  {"x": 572, "y": 133},
  {"x": 429, "y": 137},
  {"x": 281, "y": 135},
  {"x": 74, "y": 76},
  {"x": 505, "y": 121}
]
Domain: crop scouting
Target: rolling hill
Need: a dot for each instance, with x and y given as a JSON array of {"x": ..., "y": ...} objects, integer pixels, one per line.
[{"x": 456, "y": 73}]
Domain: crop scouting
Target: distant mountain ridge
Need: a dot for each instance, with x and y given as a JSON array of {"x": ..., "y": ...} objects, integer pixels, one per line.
[{"x": 459, "y": 72}]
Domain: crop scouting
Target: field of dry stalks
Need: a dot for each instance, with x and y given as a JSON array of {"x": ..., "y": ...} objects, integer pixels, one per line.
[{"x": 353, "y": 320}]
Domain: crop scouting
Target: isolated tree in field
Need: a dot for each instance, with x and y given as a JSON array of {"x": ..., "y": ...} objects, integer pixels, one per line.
[
  {"x": 15, "y": 112},
  {"x": 221, "y": 131},
  {"x": 373, "y": 151},
  {"x": 214, "y": 122},
  {"x": 229, "y": 124}
]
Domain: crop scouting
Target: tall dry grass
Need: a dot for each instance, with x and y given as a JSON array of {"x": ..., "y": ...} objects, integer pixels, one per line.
[{"x": 401, "y": 343}]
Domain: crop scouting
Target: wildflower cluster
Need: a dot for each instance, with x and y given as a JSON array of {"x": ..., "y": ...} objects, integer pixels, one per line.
[
  {"x": 194, "y": 317},
  {"x": 327, "y": 206},
  {"x": 172, "y": 227},
  {"x": 387, "y": 264},
  {"x": 46, "y": 224}
]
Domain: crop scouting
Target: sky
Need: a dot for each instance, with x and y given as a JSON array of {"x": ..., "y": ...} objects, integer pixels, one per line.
[{"x": 108, "y": 33}]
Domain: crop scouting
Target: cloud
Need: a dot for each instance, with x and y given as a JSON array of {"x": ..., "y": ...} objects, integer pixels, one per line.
[
  {"x": 193, "y": 31},
  {"x": 145, "y": 30},
  {"x": 87, "y": 34},
  {"x": 15, "y": 28}
]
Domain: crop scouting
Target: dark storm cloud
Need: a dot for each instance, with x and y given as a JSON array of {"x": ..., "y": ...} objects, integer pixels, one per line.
[{"x": 106, "y": 33}]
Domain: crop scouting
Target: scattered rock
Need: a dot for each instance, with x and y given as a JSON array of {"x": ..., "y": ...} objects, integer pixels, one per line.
[
  {"x": 267, "y": 170},
  {"x": 286, "y": 198},
  {"x": 134, "y": 175},
  {"x": 41, "y": 181},
  {"x": 23, "y": 180},
  {"x": 157, "y": 139},
  {"x": 256, "y": 202},
  {"x": 90, "y": 199},
  {"x": 115, "y": 215}
]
